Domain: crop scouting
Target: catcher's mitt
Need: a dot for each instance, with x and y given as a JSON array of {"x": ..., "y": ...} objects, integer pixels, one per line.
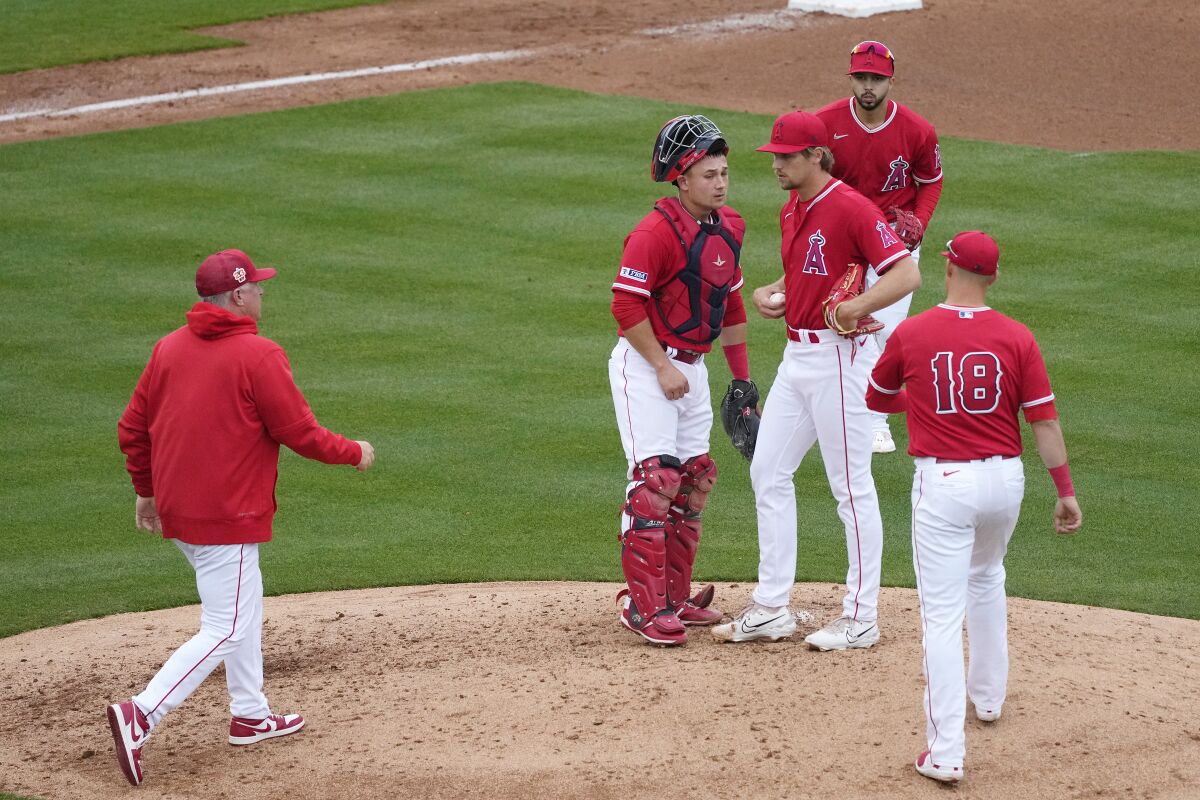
[
  {"x": 908, "y": 227},
  {"x": 739, "y": 416},
  {"x": 848, "y": 289}
]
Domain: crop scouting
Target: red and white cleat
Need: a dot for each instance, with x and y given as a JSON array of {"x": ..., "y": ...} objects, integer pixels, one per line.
[
  {"x": 130, "y": 732},
  {"x": 663, "y": 629},
  {"x": 249, "y": 731},
  {"x": 696, "y": 611}
]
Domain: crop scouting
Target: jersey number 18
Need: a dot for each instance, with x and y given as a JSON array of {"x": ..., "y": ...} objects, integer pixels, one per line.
[{"x": 976, "y": 383}]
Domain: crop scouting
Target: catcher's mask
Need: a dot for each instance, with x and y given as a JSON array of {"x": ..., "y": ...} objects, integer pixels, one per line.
[{"x": 682, "y": 142}]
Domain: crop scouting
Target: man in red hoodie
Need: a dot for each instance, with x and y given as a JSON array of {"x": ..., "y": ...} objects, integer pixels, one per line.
[{"x": 201, "y": 437}]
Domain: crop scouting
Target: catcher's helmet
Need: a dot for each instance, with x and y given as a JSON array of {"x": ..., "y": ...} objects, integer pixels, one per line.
[{"x": 682, "y": 142}]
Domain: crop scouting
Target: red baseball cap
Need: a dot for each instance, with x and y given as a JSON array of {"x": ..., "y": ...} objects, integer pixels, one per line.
[
  {"x": 974, "y": 251},
  {"x": 226, "y": 271},
  {"x": 796, "y": 131},
  {"x": 872, "y": 56}
]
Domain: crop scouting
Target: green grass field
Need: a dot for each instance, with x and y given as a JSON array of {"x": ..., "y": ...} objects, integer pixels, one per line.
[
  {"x": 445, "y": 260},
  {"x": 48, "y": 33}
]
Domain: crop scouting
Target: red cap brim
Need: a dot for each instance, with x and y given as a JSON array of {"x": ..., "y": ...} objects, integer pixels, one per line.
[
  {"x": 784, "y": 148},
  {"x": 263, "y": 274}
]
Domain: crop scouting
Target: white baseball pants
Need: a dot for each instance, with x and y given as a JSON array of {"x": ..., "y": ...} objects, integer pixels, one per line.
[
  {"x": 819, "y": 396},
  {"x": 890, "y": 316},
  {"x": 964, "y": 514},
  {"x": 230, "y": 586},
  {"x": 650, "y": 424}
]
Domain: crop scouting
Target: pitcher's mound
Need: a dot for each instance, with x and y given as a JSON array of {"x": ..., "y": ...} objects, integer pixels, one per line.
[{"x": 533, "y": 690}]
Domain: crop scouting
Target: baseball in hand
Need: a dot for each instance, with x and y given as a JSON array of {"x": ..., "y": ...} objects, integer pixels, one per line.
[{"x": 776, "y": 299}]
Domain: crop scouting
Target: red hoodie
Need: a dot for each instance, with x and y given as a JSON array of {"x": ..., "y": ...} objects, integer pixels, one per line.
[{"x": 201, "y": 433}]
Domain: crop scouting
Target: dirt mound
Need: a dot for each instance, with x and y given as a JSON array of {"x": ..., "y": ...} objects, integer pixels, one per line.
[
  {"x": 532, "y": 690},
  {"x": 1073, "y": 74}
]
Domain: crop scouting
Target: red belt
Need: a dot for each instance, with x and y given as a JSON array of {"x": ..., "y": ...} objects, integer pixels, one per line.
[
  {"x": 808, "y": 336},
  {"x": 965, "y": 460},
  {"x": 686, "y": 356}
]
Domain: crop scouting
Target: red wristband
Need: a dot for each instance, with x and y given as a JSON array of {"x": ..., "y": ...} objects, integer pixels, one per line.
[
  {"x": 1062, "y": 481},
  {"x": 739, "y": 361}
]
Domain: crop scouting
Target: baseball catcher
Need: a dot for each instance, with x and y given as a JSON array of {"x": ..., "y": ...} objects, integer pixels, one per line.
[
  {"x": 850, "y": 288},
  {"x": 677, "y": 293}
]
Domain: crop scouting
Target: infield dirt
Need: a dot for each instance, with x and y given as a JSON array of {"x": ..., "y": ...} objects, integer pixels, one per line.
[{"x": 533, "y": 690}]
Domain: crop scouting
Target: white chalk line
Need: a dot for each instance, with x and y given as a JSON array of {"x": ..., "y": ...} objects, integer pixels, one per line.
[
  {"x": 738, "y": 23},
  {"x": 273, "y": 83}
]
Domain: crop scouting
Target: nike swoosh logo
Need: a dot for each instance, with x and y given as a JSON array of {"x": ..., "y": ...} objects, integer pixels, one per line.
[
  {"x": 265, "y": 727},
  {"x": 948, "y": 474},
  {"x": 856, "y": 638},
  {"x": 840, "y": 135},
  {"x": 747, "y": 628}
]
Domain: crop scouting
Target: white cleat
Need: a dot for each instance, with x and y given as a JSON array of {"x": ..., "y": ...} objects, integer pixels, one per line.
[
  {"x": 845, "y": 634},
  {"x": 987, "y": 714},
  {"x": 881, "y": 442},
  {"x": 937, "y": 772},
  {"x": 760, "y": 622}
]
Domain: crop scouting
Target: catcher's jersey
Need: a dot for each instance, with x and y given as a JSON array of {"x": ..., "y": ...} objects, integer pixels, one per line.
[
  {"x": 654, "y": 255},
  {"x": 966, "y": 371},
  {"x": 821, "y": 238},
  {"x": 885, "y": 163}
]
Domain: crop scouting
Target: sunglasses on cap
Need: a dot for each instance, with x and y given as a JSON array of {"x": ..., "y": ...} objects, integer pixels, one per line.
[{"x": 879, "y": 48}]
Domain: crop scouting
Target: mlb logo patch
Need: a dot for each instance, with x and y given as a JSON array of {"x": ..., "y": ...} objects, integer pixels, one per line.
[
  {"x": 634, "y": 274},
  {"x": 966, "y": 315}
]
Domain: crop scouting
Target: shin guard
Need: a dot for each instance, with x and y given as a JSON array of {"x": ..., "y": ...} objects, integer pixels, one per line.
[
  {"x": 683, "y": 539},
  {"x": 644, "y": 536}
]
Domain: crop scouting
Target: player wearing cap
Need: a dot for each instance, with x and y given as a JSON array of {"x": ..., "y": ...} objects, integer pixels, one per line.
[
  {"x": 819, "y": 390},
  {"x": 677, "y": 291},
  {"x": 891, "y": 155},
  {"x": 966, "y": 371},
  {"x": 201, "y": 437}
]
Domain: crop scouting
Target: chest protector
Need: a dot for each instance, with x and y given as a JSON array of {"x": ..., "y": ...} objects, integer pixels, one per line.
[{"x": 692, "y": 304}]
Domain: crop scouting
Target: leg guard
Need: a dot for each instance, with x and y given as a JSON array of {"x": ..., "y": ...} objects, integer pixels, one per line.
[
  {"x": 683, "y": 538},
  {"x": 644, "y": 550}
]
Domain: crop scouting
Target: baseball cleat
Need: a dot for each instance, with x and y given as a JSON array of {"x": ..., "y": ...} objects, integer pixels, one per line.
[
  {"x": 663, "y": 629},
  {"x": 926, "y": 767},
  {"x": 844, "y": 634},
  {"x": 987, "y": 714},
  {"x": 882, "y": 442},
  {"x": 696, "y": 611},
  {"x": 249, "y": 731},
  {"x": 760, "y": 622},
  {"x": 130, "y": 733}
]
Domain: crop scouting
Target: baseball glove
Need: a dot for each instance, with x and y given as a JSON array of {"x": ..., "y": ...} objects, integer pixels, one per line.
[
  {"x": 908, "y": 227},
  {"x": 739, "y": 416},
  {"x": 848, "y": 289}
]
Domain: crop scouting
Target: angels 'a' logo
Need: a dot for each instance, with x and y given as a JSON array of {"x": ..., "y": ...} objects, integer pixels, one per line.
[
  {"x": 937, "y": 156},
  {"x": 814, "y": 262},
  {"x": 886, "y": 237},
  {"x": 898, "y": 177}
]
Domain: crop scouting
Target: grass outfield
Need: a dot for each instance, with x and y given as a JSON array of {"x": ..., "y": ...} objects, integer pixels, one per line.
[
  {"x": 445, "y": 260},
  {"x": 48, "y": 33}
]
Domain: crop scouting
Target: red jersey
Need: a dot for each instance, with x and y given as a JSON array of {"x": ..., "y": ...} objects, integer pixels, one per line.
[
  {"x": 821, "y": 238},
  {"x": 967, "y": 371},
  {"x": 887, "y": 162},
  {"x": 654, "y": 256},
  {"x": 201, "y": 433}
]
